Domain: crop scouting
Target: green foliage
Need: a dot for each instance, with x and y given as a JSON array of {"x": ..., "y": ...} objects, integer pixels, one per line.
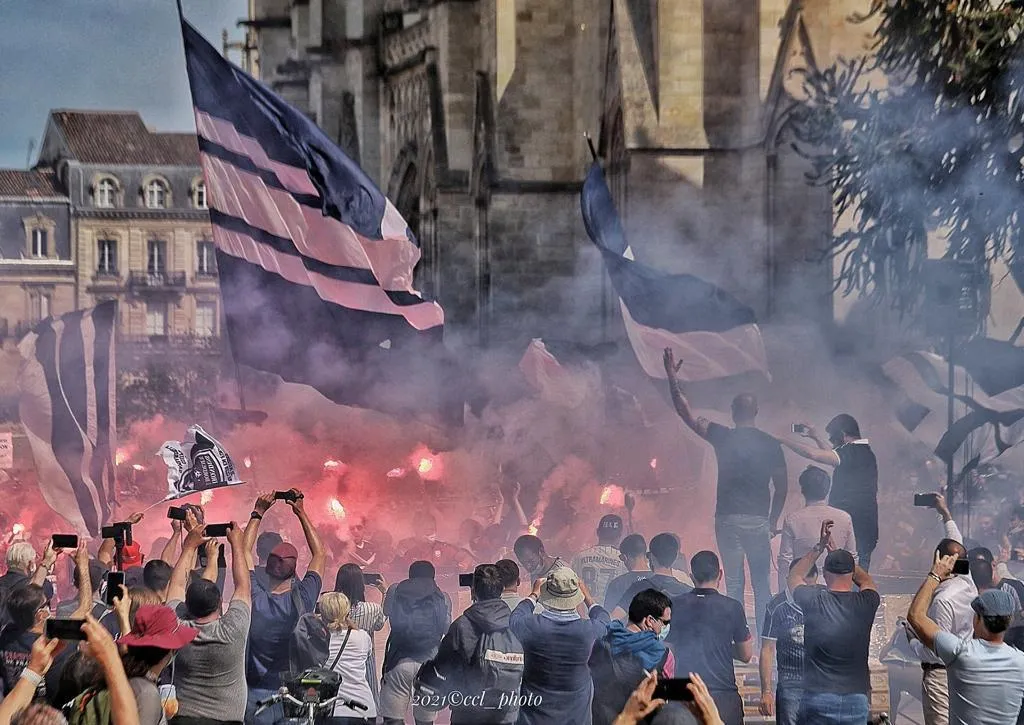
[
  {"x": 175, "y": 391},
  {"x": 924, "y": 134}
]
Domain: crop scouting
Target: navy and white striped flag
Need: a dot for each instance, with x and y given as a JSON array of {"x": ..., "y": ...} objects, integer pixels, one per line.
[
  {"x": 985, "y": 425},
  {"x": 714, "y": 334},
  {"x": 315, "y": 264},
  {"x": 69, "y": 411}
]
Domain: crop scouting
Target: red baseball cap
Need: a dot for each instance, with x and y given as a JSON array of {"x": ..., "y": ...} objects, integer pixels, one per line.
[
  {"x": 131, "y": 555},
  {"x": 158, "y": 626}
]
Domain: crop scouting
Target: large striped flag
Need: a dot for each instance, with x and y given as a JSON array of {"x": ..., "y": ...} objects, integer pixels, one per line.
[
  {"x": 69, "y": 411},
  {"x": 712, "y": 333},
  {"x": 984, "y": 425},
  {"x": 315, "y": 263}
]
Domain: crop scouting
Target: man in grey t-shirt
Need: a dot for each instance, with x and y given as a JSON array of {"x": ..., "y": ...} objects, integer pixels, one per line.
[
  {"x": 986, "y": 675},
  {"x": 209, "y": 674}
]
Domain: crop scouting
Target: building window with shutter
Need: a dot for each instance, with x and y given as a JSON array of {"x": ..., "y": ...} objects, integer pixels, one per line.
[
  {"x": 206, "y": 319},
  {"x": 106, "y": 256},
  {"x": 206, "y": 259},
  {"x": 40, "y": 243},
  {"x": 156, "y": 319},
  {"x": 156, "y": 264}
]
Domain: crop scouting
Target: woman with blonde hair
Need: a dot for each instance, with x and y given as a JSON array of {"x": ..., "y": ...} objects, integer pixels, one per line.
[{"x": 350, "y": 650}]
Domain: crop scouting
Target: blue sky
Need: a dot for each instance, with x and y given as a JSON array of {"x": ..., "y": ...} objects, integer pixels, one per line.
[{"x": 98, "y": 54}]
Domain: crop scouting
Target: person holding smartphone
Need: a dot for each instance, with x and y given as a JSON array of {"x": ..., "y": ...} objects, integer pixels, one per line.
[
  {"x": 367, "y": 616},
  {"x": 950, "y": 609}
]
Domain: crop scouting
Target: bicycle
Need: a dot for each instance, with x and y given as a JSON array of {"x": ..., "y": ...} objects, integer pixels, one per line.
[{"x": 309, "y": 698}]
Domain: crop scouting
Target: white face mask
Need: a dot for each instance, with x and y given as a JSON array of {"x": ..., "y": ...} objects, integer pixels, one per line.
[{"x": 663, "y": 634}]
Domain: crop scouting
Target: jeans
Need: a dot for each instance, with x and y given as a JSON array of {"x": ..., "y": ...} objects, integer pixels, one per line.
[
  {"x": 787, "y": 704},
  {"x": 864, "y": 558},
  {"x": 834, "y": 709},
  {"x": 269, "y": 716},
  {"x": 730, "y": 706},
  {"x": 740, "y": 534}
]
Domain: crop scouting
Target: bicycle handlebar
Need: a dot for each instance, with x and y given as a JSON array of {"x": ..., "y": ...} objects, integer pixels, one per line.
[{"x": 284, "y": 696}]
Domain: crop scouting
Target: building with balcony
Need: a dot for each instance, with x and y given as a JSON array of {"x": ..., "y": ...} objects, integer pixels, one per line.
[
  {"x": 140, "y": 229},
  {"x": 37, "y": 271}
]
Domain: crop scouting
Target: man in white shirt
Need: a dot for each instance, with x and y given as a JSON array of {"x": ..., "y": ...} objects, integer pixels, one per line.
[
  {"x": 950, "y": 610},
  {"x": 986, "y": 675},
  {"x": 802, "y": 528},
  {"x": 598, "y": 565}
]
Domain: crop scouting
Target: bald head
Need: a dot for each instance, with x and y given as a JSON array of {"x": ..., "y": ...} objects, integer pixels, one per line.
[{"x": 744, "y": 408}]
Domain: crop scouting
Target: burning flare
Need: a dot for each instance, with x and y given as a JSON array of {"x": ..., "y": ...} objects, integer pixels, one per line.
[
  {"x": 654, "y": 463},
  {"x": 120, "y": 456},
  {"x": 247, "y": 462},
  {"x": 18, "y": 529},
  {"x": 425, "y": 466},
  {"x": 337, "y": 510},
  {"x": 205, "y": 497},
  {"x": 396, "y": 473},
  {"x": 612, "y": 495},
  {"x": 331, "y": 464},
  {"x": 138, "y": 467}
]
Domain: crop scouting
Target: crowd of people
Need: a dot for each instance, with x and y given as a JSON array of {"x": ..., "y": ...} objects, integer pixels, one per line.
[{"x": 224, "y": 626}]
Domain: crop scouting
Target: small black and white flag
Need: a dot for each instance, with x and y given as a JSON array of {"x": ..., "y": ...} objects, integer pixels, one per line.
[{"x": 196, "y": 464}]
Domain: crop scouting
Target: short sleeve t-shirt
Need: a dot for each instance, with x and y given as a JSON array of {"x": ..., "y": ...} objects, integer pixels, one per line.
[
  {"x": 705, "y": 625},
  {"x": 747, "y": 458},
  {"x": 667, "y": 585},
  {"x": 617, "y": 587},
  {"x": 855, "y": 490},
  {"x": 15, "y": 650},
  {"x": 784, "y": 623},
  {"x": 597, "y": 566},
  {"x": 837, "y": 632},
  {"x": 273, "y": 619},
  {"x": 986, "y": 681},
  {"x": 209, "y": 673}
]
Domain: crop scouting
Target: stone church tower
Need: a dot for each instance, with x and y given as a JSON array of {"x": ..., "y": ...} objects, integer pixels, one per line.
[{"x": 471, "y": 116}]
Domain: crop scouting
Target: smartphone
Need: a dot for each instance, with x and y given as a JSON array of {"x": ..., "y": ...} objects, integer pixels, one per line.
[
  {"x": 372, "y": 580},
  {"x": 801, "y": 429},
  {"x": 177, "y": 513},
  {"x": 222, "y": 562},
  {"x": 286, "y": 496},
  {"x": 217, "y": 530},
  {"x": 466, "y": 580},
  {"x": 925, "y": 500},
  {"x": 65, "y": 629},
  {"x": 120, "y": 530},
  {"x": 673, "y": 689},
  {"x": 65, "y": 541},
  {"x": 115, "y": 580},
  {"x": 962, "y": 566}
]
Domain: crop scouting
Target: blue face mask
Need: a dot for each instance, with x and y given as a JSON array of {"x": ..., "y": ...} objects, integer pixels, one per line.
[{"x": 664, "y": 631}]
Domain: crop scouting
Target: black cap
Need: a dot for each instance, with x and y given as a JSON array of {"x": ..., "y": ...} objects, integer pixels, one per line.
[{"x": 840, "y": 561}]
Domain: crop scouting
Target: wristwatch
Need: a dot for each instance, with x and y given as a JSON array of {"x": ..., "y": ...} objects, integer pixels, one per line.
[{"x": 256, "y": 515}]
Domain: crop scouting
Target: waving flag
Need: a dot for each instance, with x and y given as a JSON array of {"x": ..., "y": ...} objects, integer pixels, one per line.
[
  {"x": 68, "y": 407},
  {"x": 991, "y": 424},
  {"x": 315, "y": 264},
  {"x": 713, "y": 333}
]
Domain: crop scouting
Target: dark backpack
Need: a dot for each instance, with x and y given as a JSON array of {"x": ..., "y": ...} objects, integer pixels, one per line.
[
  {"x": 422, "y": 620},
  {"x": 497, "y": 669},
  {"x": 309, "y": 644}
]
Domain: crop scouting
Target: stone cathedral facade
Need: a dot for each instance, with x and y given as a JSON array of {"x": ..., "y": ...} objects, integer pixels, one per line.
[{"x": 471, "y": 115}]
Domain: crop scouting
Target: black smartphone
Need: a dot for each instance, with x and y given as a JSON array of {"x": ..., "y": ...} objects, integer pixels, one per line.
[
  {"x": 962, "y": 566},
  {"x": 372, "y": 580},
  {"x": 222, "y": 562},
  {"x": 120, "y": 531},
  {"x": 65, "y": 629},
  {"x": 115, "y": 580},
  {"x": 286, "y": 496},
  {"x": 65, "y": 541},
  {"x": 177, "y": 513},
  {"x": 217, "y": 530},
  {"x": 925, "y": 500},
  {"x": 801, "y": 429},
  {"x": 466, "y": 580},
  {"x": 673, "y": 689}
]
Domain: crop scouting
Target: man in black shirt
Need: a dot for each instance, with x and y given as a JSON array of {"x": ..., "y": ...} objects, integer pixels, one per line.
[
  {"x": 746, "y": 513},
  {"x": 664, "y": 549},
  {"x": 708, "y": 632},
  {"x": 855, "y": 480},
  {"x": 837, "y": 632}
]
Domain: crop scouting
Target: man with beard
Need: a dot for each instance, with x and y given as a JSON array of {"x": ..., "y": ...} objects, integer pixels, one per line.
[{"x": 277, "y": 605}]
